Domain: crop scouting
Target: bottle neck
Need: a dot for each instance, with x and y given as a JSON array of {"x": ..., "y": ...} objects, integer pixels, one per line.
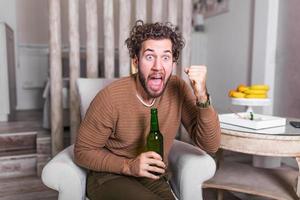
[{"x": 154, "y": 120}]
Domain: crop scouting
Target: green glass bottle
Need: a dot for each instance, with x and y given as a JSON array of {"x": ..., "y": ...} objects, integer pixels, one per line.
[{"x": 155, "y": 140}]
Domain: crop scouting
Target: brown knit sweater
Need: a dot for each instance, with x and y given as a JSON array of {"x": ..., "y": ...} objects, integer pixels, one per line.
[{"x": 117, "y": 123}]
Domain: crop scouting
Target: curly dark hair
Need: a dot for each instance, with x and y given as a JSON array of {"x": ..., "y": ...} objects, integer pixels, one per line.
[{"x": 144, "y": 31}]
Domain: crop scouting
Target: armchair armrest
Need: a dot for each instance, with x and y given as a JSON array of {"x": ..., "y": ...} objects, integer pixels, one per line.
[
  {"x": 63, "y": 175},
  {"x": 190, "y": 167}
]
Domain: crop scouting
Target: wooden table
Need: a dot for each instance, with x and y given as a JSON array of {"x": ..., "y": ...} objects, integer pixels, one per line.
[{"x": 282, "y": 183}]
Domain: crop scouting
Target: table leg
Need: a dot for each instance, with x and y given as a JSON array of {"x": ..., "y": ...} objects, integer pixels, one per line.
[
  {"x": 219, "y": 161},
  {"x": 219, "y": 158},
  {"x": 220, "y": 194},
  {"x": 298, "y": 183}
]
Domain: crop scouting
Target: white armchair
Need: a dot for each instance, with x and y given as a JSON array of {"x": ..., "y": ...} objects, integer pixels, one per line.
[{"x": 190, "y": 166}]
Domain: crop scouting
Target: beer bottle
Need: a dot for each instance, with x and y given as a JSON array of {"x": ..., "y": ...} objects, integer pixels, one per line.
[{"x": 155, "y": 141}]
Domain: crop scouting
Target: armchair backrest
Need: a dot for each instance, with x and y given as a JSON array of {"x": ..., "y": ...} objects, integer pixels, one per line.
[{"x": 88, "y": 89}]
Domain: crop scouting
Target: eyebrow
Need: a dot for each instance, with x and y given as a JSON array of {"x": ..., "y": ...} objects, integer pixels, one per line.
[
  {"x": 148, "y": 50},
  {"x": 151, "y": 50}
]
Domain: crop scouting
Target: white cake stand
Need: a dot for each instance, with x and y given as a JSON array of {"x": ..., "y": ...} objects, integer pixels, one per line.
[{"x": 250, "y": 102}]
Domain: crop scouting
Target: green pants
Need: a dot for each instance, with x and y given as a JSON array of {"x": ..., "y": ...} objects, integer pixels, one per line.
[{"x": 108, "y": 186}]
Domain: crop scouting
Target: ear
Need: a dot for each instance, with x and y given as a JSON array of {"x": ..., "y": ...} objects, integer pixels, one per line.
[
  {"x": 135, "y": 61},
  {"x": 134, "y": 65}
]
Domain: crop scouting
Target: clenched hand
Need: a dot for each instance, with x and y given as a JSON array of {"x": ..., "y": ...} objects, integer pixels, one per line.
[
  {"x": 197, "y": 76},
  {"x": 144, "y": 165}
]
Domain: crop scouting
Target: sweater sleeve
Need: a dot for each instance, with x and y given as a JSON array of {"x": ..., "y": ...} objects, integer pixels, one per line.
[
  {"x": 202, "y": 124},
  {"x": 94, "y": 131}
]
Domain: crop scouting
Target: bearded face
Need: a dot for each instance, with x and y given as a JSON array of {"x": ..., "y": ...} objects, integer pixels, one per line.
[{"x": 155, "y": 65}]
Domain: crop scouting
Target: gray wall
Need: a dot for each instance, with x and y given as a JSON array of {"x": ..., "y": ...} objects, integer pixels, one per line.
[
  {"x": 287, "y": 81},
  {"x": 229, "y": 46},
  {"x": 228, "y": 51}
]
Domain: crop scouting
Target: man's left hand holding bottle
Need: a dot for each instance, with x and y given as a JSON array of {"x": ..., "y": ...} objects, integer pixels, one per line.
[{"x": 145, "y": 165}]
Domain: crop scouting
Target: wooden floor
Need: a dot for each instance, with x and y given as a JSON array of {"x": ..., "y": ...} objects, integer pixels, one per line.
[
  {"x": 25, "y": 188},
  {"x": 26, "y": 120}
]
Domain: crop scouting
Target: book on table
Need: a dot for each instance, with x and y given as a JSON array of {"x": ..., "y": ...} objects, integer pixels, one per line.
[{"x": 256, "y": 122}]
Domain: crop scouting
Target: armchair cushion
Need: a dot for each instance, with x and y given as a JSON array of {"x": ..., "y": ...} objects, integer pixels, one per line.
[
  {"x": 88, "y": 89},
  {"x": 190, "y": 167},
  {"x": 63, "y": 175}
]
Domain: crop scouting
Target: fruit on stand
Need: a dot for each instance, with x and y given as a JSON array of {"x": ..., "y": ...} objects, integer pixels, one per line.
[
  {"x": 256, "y": 91},
  {"x": 260, "y": 87},
  {"x": 242, "y": 88},
  {"x": 236, "y": 94}
]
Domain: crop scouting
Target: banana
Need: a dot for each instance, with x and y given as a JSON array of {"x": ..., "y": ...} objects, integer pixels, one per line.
[
  {"x": 231, "y": 92},
  {"x": 242, "y": 88},
  {"x": 255, "y": 91},
  {"x": 256, "y": 96},
  {"x": 259, "y": 87},
  {"x": 238, "y": 94},
  {"x": 251, "y": 91}
]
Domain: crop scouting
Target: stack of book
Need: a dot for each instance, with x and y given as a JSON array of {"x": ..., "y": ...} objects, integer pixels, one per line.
[{"x": 255, "y": 123}]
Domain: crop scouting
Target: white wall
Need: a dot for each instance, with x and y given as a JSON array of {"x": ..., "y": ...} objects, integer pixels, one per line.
[
  {"x": 264, "y": 48},
  {"x": 32, "y": 38},
  {"x": 229, "y": 51},
  {"x": 287, "y": 82},
  {"x": 7, "y": 16},
  {"x": 32, "y": 18},
  {"x": 32, "y": 21},
  {"x": 8, "y": 12}
]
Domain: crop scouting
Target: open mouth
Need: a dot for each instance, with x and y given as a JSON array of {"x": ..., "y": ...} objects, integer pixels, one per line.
[{"x": 155, "y": 82}]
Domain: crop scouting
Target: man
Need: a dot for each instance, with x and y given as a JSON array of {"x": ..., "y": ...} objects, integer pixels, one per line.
[{"x": 112, "y": 136}]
